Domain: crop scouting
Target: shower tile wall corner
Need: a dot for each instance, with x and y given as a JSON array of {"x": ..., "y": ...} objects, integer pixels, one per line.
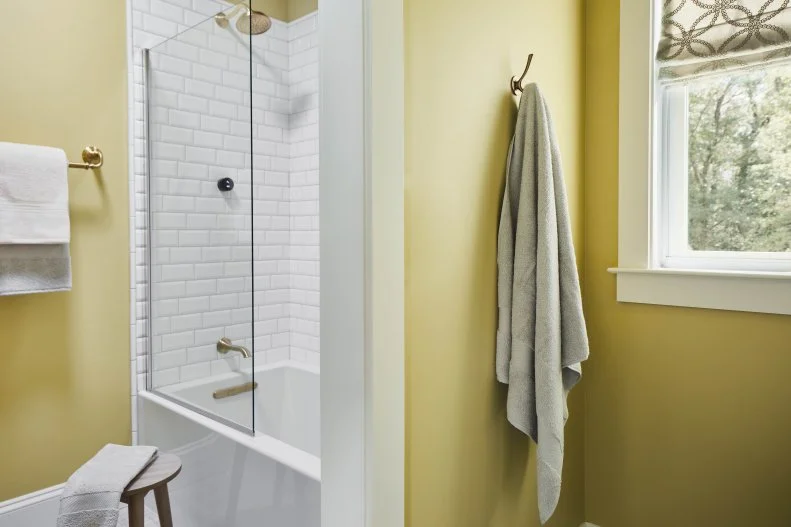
[
  {"x": 304, "y": 187},
  {"x": 285, "y": 135}
]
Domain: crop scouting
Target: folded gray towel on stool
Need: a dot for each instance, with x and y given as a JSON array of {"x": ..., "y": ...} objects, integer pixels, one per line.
[{"x": 92, "y": 495}]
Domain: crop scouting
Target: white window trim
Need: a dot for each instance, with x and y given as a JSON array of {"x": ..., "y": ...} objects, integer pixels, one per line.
[{"x": 640, "y": 279}]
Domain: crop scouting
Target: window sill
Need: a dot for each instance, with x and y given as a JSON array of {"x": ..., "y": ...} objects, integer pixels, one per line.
[{"x": 758, "y": 292}]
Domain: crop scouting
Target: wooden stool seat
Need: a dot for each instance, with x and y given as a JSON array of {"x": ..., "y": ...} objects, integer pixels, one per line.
[{"x": 154, "y": 477}]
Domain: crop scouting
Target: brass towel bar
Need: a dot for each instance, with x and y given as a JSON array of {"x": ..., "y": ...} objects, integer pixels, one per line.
[{"x": 92, "y": 157}]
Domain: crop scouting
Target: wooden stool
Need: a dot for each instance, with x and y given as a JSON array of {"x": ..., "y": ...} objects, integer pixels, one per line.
[{"x": 155, "y": 477}]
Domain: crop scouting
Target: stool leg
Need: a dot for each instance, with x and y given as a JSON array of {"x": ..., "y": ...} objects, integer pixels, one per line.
[
  {"x": 137, "y": 510},
  {"x": 163, "y": 506}
]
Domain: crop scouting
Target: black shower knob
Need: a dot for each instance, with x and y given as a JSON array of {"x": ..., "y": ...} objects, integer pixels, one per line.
[{"x": 225, "y": 184}]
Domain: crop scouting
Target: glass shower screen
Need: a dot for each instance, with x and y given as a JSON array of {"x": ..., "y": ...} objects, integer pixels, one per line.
[{"x": 202, "y": 216}]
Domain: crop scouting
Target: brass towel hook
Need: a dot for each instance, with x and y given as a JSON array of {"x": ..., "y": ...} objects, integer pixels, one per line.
[{"x": 516, "y": 85}]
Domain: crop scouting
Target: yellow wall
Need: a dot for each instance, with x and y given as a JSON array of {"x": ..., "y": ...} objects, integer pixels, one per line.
[
  {"x": 466, "y": 467},
  {"x": 64, "y": 373},
  {"x": 300, "y": 8},
  {"x": 286, "y": 10},
  {"x": 275, "y": 8},
  {"x": 687, "y": 411}
]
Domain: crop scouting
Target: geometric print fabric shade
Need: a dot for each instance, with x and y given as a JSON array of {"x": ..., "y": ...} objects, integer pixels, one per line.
[{"x": 703, "y": 36}]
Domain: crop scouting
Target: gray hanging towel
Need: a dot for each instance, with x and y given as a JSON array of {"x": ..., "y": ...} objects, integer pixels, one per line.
[{"x": 541, "y": 336}]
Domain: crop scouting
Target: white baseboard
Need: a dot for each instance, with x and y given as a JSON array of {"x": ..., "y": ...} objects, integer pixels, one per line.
[
  {"x": 31, "y": 510},
  {"x": 41, "y": 508}
]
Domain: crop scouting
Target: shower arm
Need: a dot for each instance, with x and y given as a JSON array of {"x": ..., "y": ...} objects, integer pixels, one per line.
[{"x": 239, "y": 5}]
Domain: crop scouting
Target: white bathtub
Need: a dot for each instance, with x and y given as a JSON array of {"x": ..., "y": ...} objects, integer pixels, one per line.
[{"x": 231, "y": 478}]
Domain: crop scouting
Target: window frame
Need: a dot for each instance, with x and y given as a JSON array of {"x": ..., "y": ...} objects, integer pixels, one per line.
[
  {"x": 671, "y": 227},
  {"x": 751, "y": 282}
]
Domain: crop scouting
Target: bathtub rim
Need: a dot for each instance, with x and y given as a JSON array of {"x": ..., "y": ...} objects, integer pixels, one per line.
[
  {"x": 287, "y": 363},
  {"x": 288, "y": 455}
]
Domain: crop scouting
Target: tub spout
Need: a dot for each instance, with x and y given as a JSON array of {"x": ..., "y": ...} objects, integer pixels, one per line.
[{"x": 224, "y": 345}]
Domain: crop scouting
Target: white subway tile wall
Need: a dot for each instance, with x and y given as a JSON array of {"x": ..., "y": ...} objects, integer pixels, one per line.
[
  {"x": 223, "y": 264},
  {"x": 211, "y": 241},
  {"x": 303, "y": 127}
]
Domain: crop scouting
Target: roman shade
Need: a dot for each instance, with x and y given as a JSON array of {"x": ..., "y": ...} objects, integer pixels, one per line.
[{"x": 703, "y": 36}]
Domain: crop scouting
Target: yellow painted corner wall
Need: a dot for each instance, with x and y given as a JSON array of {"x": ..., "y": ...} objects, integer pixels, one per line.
[
  {"x": 275, "y": 8},
  {"x": 687, "y": 410},
  {"x": 286, "y": 10},
  {"x": 300, "y": 8},
  {"x": 466, "y": 466},
  {"x": 64, "y": 377}
]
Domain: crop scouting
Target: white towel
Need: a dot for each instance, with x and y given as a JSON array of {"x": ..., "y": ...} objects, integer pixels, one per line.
[
  {"x": 92, "y": 495},
  {"x": 34, "y": 195},
  {"x": 541, "y": 337},
  {"x": 34, "y": 220}
]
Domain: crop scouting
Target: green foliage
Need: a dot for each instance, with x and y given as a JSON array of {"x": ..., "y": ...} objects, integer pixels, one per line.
[{"x": 740, "y": 162}]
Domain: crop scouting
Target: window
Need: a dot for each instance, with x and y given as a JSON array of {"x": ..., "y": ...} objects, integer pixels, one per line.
[
  {"x": 724, "y": 163},
  {"x": 705, "y": 154}
]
